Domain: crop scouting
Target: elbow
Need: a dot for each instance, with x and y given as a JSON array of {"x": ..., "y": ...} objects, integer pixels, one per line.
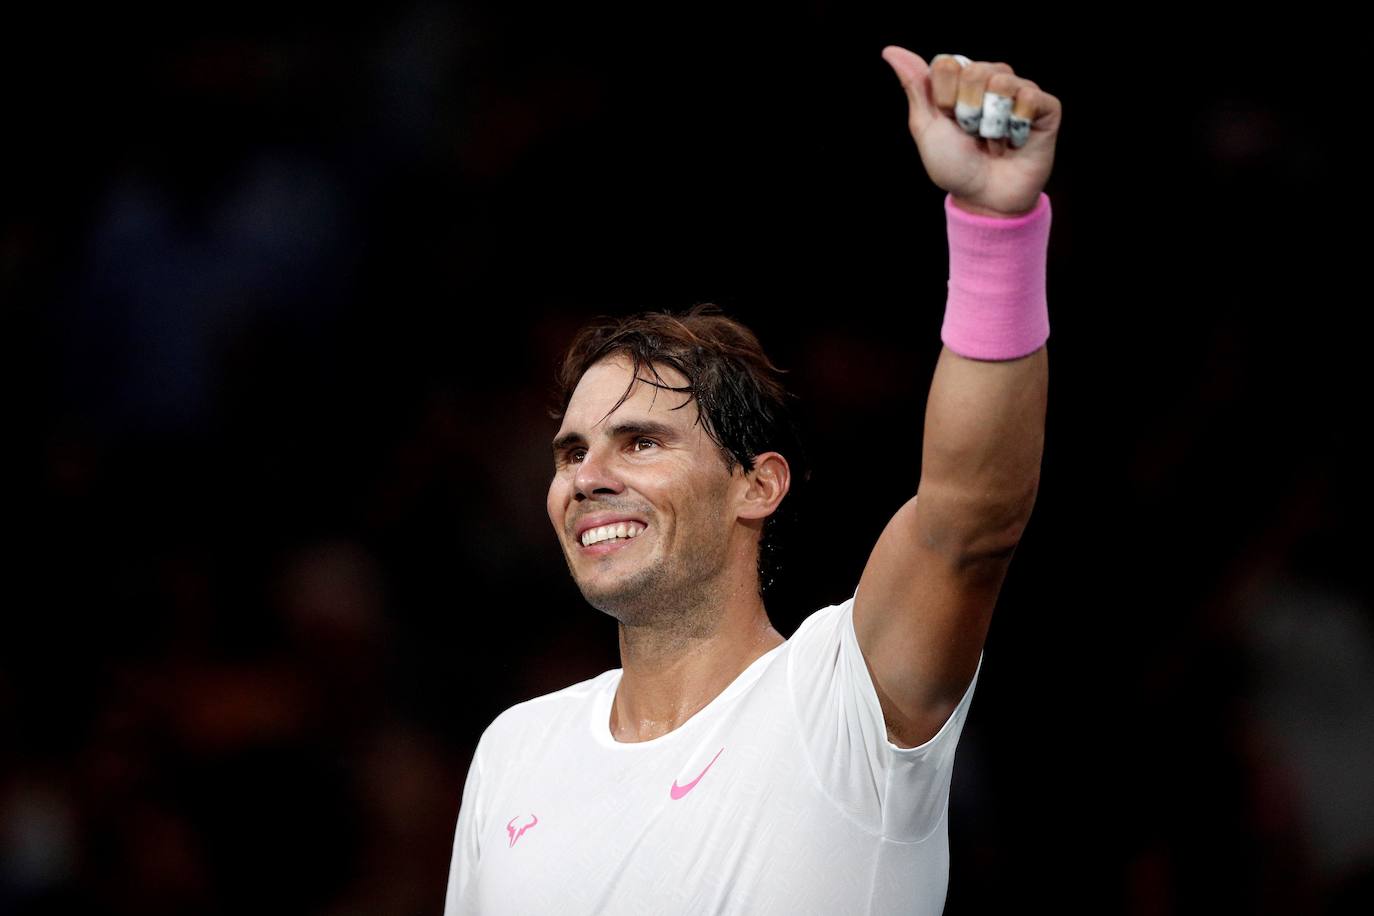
[
  {"x": 987, "y": 532},
  {"x": 1005, "y": 526},
  {"x": 989, "y": 555}
]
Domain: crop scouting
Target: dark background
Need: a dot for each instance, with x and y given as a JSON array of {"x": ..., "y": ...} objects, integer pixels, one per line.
[{"x": 284, "y": 289}]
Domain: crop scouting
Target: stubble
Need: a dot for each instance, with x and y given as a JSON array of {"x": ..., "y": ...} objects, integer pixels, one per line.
[{"x": 675, "y": 599}]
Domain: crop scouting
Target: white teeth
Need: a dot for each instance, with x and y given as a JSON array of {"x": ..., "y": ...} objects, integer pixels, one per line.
[{"x": 606, "y": 532}]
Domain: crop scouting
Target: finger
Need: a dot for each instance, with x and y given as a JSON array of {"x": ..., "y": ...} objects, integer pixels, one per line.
[
  {"x": 914, "y": 75},
  {"x": 973, "y": 83},
  {"x": 1022, "y": 113},
  {"x": 944, "y": 79},
  {"x": 997, "y": 107},
  {"x": 1034, "y": 110}
]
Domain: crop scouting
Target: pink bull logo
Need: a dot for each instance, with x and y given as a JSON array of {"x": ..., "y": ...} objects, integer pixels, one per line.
[{"x": 514, "y": 835}]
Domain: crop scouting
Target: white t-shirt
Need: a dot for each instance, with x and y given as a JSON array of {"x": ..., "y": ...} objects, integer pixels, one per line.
[{"x": 782, "y": 795}]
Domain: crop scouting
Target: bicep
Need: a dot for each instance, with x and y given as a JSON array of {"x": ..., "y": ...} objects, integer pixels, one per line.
[{"x": 922, "y": 612}]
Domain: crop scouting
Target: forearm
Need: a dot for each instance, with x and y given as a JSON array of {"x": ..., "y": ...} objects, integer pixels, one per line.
[
  {"x": 985, "y": 416},
  {"x": 980, "y": 462}
]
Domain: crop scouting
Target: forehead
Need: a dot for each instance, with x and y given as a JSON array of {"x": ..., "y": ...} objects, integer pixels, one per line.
[{"x": 604, "y": 384}]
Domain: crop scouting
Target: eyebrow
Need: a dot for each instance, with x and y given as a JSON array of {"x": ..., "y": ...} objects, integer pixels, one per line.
[{"x": 631, "y": 428}]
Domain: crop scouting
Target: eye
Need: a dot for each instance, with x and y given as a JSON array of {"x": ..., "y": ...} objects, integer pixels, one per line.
[
  {"x": 642, "y": 442},
  {"x": 572, "y": 455}
]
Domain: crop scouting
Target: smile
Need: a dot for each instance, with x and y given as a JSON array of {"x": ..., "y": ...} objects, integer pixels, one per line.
[{"x": 617, "y": 531}]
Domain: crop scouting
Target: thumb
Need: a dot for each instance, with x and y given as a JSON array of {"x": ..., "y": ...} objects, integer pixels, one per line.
[{"x": 915, "y": 76}]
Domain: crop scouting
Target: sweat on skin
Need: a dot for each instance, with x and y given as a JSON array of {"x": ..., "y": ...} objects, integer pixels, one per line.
[{"x": 684, "y": 587}]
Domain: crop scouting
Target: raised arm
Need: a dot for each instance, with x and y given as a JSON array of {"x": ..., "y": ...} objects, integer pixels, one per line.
[{"x": 927, "y": 593}]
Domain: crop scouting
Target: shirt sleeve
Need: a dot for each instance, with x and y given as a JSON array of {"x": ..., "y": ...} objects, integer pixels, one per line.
[
  {"x": 901, "y": 793},
  {"x": 461, "y": 899}
]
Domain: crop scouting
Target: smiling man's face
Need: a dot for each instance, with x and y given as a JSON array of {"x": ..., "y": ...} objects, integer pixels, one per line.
[{"x": 640, "y": 498}]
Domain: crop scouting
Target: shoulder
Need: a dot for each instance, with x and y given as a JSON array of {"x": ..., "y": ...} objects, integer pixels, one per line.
[
  {"x": 823, "y": 626},
  {"x": 541, "y": 714}
]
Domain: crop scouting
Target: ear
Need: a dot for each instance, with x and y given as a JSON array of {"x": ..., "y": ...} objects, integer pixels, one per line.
[{"x": 767, "y": 484}]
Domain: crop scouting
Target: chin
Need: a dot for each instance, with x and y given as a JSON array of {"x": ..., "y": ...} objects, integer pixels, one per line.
[
  {"x": 624, "y": 604},
  {"x": 654, "y": 598},
  {"x": 634, "y": 601}
]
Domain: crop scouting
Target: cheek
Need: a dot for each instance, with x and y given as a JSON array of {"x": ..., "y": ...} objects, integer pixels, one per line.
[
  {"x": 706, "y": 505},
  {"x": 554, "y": 504}
]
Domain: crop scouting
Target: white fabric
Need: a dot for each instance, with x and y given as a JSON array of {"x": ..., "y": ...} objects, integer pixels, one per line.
[{"x": 801, "y": 804}]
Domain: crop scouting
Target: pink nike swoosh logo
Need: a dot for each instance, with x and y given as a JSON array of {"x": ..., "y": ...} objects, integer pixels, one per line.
[{"x": 678, "y": 791}]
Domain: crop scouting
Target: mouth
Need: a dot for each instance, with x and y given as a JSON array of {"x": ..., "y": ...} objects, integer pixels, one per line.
[{"x": 608, "y": 538}]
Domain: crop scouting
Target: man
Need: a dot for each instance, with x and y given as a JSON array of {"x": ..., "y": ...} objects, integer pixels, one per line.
[{"x": 724, "y": 769}]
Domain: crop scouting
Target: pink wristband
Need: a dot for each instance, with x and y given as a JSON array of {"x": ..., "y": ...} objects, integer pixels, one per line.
[{"x": 997, "y": 308}]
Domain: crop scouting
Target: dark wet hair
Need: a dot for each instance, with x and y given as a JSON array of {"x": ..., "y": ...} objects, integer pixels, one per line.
[{"x": 740, "y": 397}]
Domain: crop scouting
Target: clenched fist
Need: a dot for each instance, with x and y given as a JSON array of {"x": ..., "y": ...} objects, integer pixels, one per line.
[{"x": 985, "y": 134}]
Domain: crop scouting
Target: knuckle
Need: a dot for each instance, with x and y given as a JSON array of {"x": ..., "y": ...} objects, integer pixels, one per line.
[
  {"x": 946, "y": 65},
  {"x": 1002, "y": 83},
  {"x": 1026, "y": 102}
]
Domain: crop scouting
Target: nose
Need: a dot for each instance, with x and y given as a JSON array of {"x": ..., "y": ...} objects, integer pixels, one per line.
[{"x": 596, "y": 476}]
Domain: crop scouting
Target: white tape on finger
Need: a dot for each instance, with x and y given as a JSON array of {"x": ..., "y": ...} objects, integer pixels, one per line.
[
  {"x": 996, "y": 114},
  {"x": 963, "y": 61},
  {"x": 968, "y": 116},
  {"x": 1018, "y": 131}
]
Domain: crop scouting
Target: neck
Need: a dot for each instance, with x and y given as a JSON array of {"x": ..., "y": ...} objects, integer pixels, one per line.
[{"x": 673, "y": 668}]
